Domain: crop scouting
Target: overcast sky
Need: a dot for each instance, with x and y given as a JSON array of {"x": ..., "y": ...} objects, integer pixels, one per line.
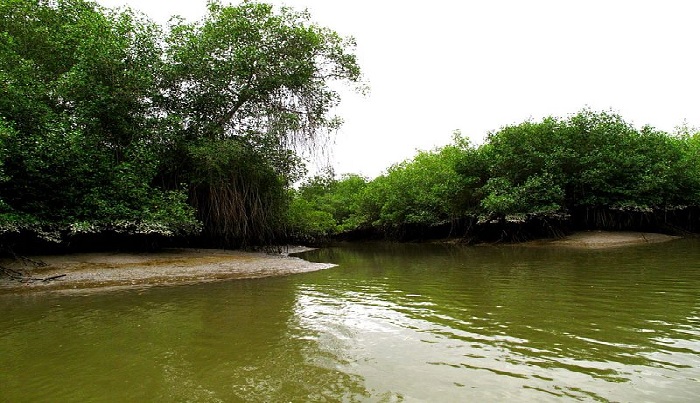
[{"x": 435, "y": 67}]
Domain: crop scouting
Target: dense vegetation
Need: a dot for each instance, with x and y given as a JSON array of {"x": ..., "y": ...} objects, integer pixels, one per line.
[
  {"x": 110, "y": 124},
  {"x": 590, "y": 170}
]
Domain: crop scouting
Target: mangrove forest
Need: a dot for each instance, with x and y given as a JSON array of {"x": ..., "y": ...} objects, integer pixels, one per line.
[
  {"x": 591, "y": 170},
  {"x": 115, "y": 130}
]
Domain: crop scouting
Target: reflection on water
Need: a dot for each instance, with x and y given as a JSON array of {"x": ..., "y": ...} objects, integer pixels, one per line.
[
  {"x": 211, "y": 343},
  {"x": 514, "y": 322},
  {"x": 391, "y": 323}
]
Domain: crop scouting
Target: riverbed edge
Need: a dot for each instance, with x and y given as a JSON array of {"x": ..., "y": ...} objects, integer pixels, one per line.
[{"x": 78, "y": 272}]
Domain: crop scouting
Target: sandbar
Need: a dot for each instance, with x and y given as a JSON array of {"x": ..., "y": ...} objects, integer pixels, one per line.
[
  {"x": 606, "y": 239},
  {"x": 83, "y": 271}
]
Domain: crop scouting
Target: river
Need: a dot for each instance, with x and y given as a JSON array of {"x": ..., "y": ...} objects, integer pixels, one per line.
[{"x": 390, "y": 323}]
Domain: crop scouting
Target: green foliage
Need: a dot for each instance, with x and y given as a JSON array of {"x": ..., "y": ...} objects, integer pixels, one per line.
[
  {"x": 590, "y": 161},
  {"x": 307, "y": 223},
  {"x": 419, "y": 191},
  {"x": 325, "y": 206},
  {"x": 426, "y": 191},
  {"x": 108, "y": 123},
  {"x": 346, "y": 200},
  {"x": 248, "y": 70},
  {"x": 80, "y": 145},
  {"x": 539, "y": 194},
  {"x": 249, "y": 83}
]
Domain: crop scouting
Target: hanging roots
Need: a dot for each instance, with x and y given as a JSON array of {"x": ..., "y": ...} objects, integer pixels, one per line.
[{"x": 238, "y": 212}]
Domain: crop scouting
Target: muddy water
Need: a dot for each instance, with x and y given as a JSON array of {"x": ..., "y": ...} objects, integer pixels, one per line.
[{"x": 390, "y": 323}]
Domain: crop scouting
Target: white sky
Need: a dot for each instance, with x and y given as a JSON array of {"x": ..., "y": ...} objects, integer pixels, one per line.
[{"x": 434, "y": 67}]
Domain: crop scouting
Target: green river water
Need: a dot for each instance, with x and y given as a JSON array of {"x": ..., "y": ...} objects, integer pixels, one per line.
[{"x": 392, "y": 322}]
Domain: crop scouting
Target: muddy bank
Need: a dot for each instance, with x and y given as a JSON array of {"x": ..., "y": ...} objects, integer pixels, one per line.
[
  {"x": 168, "y": 267},
  {"x": 605, "y": 239}
]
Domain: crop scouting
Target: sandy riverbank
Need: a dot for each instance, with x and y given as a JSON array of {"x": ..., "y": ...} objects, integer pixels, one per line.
[
  {"x": 168, "y": 267},
  {"x": 87, "y": 271},
  {"x": 605, "y": 239}
]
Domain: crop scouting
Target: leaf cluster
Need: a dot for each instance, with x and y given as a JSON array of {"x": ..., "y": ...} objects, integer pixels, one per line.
[{"x": 324, "y": 206}]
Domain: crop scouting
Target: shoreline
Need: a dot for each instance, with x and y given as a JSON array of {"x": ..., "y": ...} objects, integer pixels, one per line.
[
  {"x": 604, "y": 239},
  {"x": 110, "y": 271},
  {"x": 84, "y": 272}
]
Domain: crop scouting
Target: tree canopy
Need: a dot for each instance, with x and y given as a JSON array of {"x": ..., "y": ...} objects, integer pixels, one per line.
[
  {"x": 112, "y": 124},
  {"x": 109, "y": 122},
  {"x": 78, "y": 122},
  {"x": 589, "y": 170}
]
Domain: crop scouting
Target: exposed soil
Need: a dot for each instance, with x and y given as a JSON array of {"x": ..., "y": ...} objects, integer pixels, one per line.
[
  {"x": 605, "y": 239},
  {"x": 168, "y": 267}
]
